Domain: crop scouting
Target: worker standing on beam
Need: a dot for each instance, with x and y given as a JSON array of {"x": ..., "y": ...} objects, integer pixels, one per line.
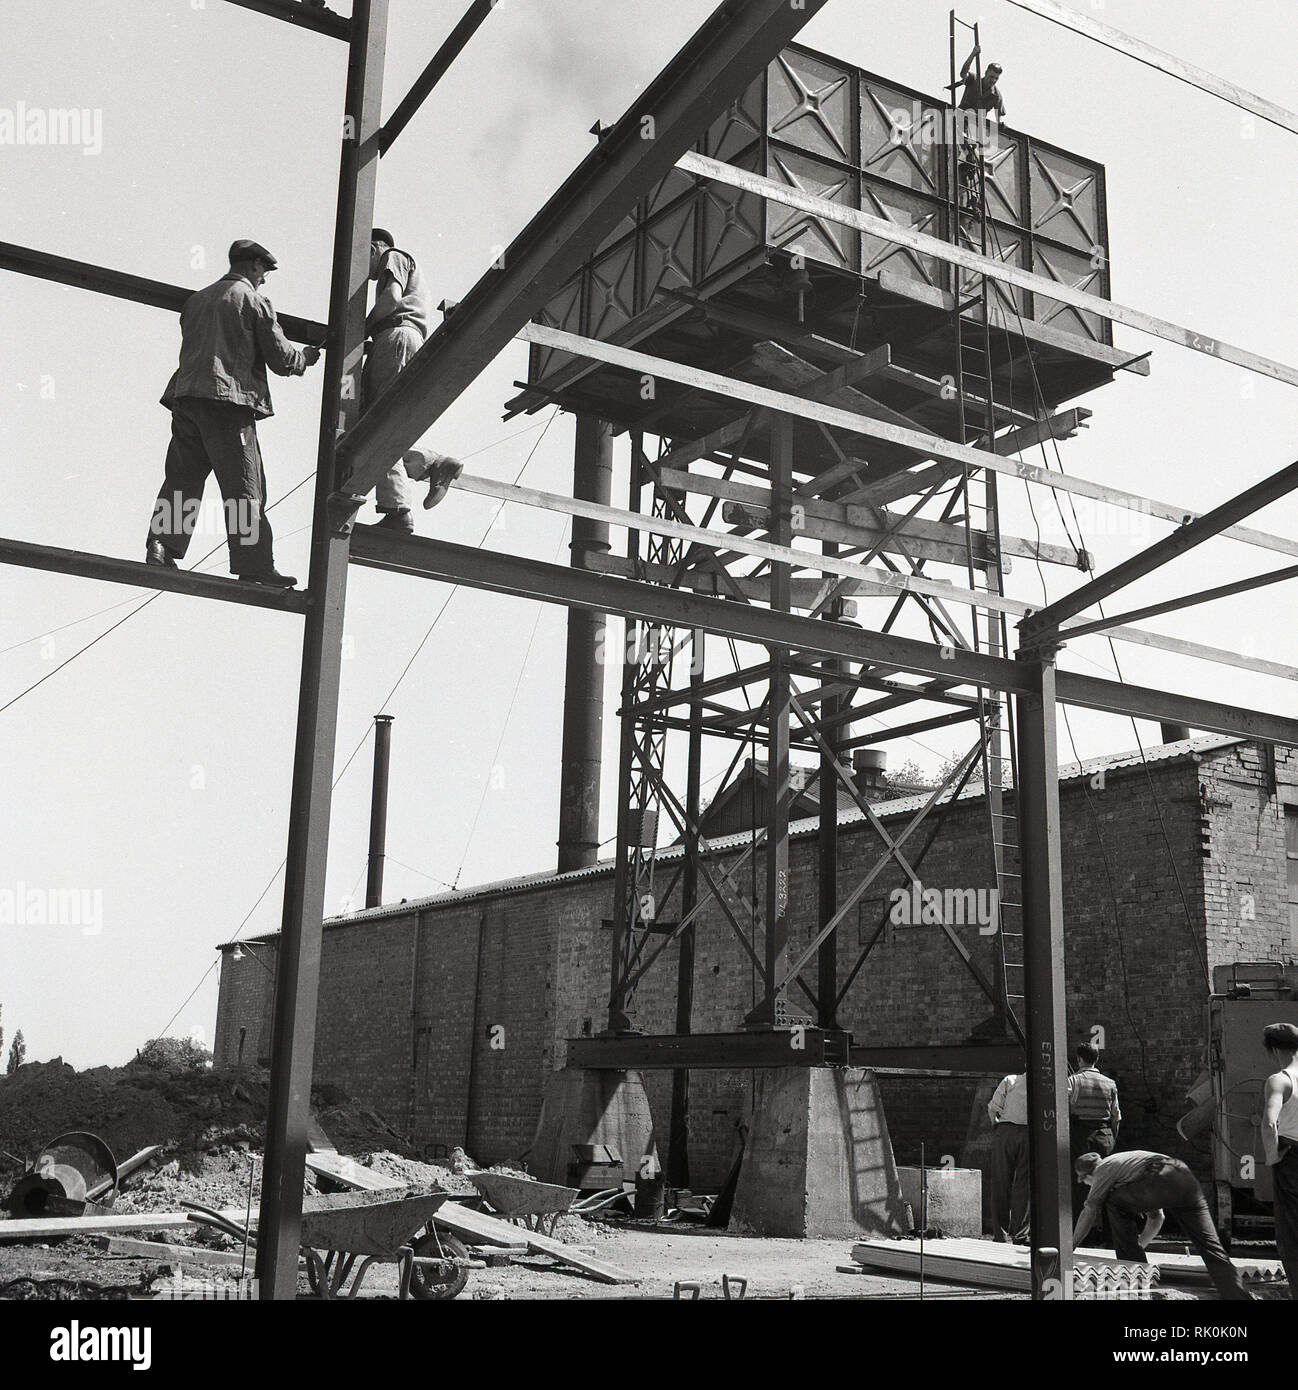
[
  {"x": 396, "y": 327},
  {"x": 1134, "y": 1190},
  {"x": 1280, "y": 1141},
  {"x": 229, "y": 336}
]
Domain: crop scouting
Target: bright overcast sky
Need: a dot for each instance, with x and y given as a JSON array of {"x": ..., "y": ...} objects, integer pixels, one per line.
[{"x": 155, "y": 770}]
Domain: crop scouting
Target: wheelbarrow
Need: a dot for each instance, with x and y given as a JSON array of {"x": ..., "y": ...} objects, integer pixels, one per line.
[
  {"x": 525, "y": 1200},
  {"x": 373, "y": 1228}
]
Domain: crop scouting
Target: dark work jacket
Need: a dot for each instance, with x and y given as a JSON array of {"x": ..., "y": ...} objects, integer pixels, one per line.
[{"x": 228, "y": 337}]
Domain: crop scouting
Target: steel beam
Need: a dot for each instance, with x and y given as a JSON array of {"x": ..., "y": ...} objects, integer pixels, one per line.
[
  {"x": 711, "y": 71},
  {"x": 82, "y": 275},
  {"x": 298, "y": 969},
  {"x": 537, "y": 579},
  {"x": 800, "y": 1047},
  {"x": 322, "y": 21},
  {"x": 1043, "y": 948},
  {"x": 1040, "y": 625},
  {"x": 988, "y": 1059},
  {"x": 438, "y": 66},
  {"x": 117, "y": 571}
]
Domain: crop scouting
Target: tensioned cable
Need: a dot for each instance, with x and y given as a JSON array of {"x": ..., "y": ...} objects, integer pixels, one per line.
[
  {"x": 1160, "y": 60},
  {"x": 355, "y": 751}
]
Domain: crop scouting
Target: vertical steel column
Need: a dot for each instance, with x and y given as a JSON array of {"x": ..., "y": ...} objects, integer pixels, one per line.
[
  {"x": 678, "y": 1134},
  {"x": 583, "y": 698},
  {"x": 617, "y": 996},
  {"x": 777, "y": 742},
  {"x": 379, "y": 809},
  {"x": 1043, "y": 932},
  {"x": 297, "y": 976},
  {"x": 834, "y": 734}
]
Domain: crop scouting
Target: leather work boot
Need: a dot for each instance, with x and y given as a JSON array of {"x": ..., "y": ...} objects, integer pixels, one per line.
[
  {"x": 270, "y": 579},
  {"x": 440, "y": 480},
  {"x": 155, "y": 553},
  {"x": 400, "y": 520}
]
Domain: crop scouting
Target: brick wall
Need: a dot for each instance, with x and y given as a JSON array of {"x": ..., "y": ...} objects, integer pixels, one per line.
[{"x": 504, "y": 978}]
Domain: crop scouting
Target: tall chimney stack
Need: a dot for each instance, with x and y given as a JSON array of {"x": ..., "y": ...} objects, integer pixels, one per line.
[{"x": 583, "y": 694}]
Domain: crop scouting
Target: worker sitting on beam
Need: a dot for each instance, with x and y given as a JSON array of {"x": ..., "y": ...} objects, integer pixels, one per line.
[
  {"x": 396, "y": 328},
  {"x": 228, "y": 337}
]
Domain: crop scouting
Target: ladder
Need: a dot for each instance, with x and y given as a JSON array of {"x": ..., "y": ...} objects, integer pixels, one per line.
[{"x": 975, "y": 389}]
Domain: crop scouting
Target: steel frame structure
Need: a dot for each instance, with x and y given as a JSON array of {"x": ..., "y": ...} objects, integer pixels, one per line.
[{"x": 801, "y": 625}]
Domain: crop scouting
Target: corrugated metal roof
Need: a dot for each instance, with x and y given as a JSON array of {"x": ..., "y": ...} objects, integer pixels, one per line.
[{"x": 1163, "y": 753}]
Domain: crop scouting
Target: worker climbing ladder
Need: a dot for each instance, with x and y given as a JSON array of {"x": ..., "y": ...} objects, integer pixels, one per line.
[{"x": 979, "y": 421}]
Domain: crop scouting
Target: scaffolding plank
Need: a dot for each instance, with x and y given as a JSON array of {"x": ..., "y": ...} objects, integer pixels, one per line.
[
  {"x": 863, "y": 579},
  {"x": 924, "y": 445},
  {"x": 895, "y": 233},
  {"x": 114, "y": 570},
  {"x": 867, "y": 520}
]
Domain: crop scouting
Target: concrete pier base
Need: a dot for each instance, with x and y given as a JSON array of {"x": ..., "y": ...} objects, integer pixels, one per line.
[
  {"x": 818, "y": 1161},
  {"x": 587, "y": 1109}
]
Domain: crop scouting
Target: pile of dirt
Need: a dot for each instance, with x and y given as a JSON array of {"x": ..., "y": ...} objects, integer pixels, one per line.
[
  {"x": 209, "y": 1124},
  {"x": 411, "y": 1170}
]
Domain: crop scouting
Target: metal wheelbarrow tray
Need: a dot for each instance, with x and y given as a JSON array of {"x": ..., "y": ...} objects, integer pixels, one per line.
[
  {"x": 374, "y": 1227},
  {"x": 524, "y": 1199}
]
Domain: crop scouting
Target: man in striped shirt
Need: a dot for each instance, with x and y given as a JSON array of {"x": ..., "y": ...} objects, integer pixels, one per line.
[{"x": 1093, "y": 1112}]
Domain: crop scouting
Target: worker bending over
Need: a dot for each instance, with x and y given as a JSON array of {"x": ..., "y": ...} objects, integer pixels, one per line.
[
  {"x": 1280, "y": 1141},
  {"x": 1134, "y": 1190},
  {"x": 229, "y": 336},
  {"x": 396, "y": 327}
]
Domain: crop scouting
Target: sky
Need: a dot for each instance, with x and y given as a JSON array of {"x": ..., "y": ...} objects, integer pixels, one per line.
[{"x": 148, "y": 781}]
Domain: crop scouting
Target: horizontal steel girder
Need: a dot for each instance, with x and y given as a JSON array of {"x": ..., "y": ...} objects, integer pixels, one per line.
[
  {"x": 549, "y": 583},
  {"x": 25, "y": 260},
  {"x": 804, "y": 1047},
  {"x": 85, "y": 565},
  {"x": 713, "y": 69}
]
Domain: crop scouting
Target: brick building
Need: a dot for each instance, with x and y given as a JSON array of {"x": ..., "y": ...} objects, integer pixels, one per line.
[{"x": 447, "y": 1014}]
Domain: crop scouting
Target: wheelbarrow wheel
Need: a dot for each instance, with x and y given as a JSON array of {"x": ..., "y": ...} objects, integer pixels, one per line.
[{"x": 426, "y": 1281}]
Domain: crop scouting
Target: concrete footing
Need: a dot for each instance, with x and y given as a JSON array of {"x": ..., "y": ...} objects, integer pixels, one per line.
[
  {"x": 585, "y": 1111},
  {"x": 818, "y": 1161}
]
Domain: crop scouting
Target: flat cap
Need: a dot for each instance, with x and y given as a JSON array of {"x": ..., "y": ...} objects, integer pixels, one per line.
[{"x": 245, "y": 250}]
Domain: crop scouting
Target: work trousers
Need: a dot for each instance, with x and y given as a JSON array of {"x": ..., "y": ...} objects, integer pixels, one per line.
[
  {"x": 390, "y": 351},
  {"x": 1285, "y": 1174},
  {"x": 1171, "y": 1186},
  {"x": 1086, "y": 1137},
  {"x": 1011, "y": 1182},
  {"x": 215, "y": 437}
]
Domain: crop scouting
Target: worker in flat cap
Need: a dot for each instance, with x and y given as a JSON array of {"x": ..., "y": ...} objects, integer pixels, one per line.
[
  {"x": 1134, "y": 1190},
  {"x": 1280, "y": 1140},
  {"x": 229, "y": 336},
  {"x": 396, "y": 327}
]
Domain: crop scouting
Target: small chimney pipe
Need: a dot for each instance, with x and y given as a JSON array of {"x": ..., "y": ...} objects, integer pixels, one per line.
[{"x": 379, "y": 809}]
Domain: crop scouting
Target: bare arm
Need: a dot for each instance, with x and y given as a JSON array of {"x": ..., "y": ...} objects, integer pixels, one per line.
[
  {"x": 1277, "y": 1091},
  {"x": 1149, "y": 1232},
  {"x": 1084, "y": 1222}
]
